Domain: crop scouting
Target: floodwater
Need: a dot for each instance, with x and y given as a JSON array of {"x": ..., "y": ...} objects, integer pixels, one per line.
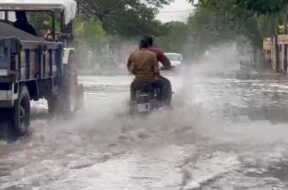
[{"x": 224, "y": 132}]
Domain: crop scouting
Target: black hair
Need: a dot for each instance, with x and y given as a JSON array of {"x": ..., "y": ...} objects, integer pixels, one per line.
[
  {"x": 143, "y": 44},
  {"x": 149, "y": 39}
]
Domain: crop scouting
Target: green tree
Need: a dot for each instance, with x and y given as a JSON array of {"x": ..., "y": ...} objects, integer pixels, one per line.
[
  {"x": 124, "y": 17},
  {"x": 90, "y": 32},
  {"x": 42, "y": 21},
  {"x": 175, "y": 38},
  {"x": 263, "y": 6},
  {"x": 90, "y": 37},
  {"x": 218, "y": 21},
  {"x": 269, "y": 13}
]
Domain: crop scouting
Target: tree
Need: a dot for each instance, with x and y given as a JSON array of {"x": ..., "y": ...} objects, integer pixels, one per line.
[
  {"x": 42, "y": 21},
  {"x": 257, "y": 6},
  {"x": 90, "y": 37},
  {"x": 219, "y": 21},
  {"x": 124, "y": 17},
  {"x": 263, "y": 6},
  {"x": 90, "y": 31},
  {"x": 175, "y": 38}
]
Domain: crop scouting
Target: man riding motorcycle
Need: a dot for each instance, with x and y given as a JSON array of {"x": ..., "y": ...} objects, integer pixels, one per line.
[
  {"x": 163, "y": 59},
  {"x": 144, "y": 65}
]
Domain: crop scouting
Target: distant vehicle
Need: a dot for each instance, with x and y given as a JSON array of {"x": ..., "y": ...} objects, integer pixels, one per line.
[{"x": 175, "y": 58}]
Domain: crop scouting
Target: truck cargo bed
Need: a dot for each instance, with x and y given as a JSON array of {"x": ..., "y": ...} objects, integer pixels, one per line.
[{"x": 7, "y": 30}]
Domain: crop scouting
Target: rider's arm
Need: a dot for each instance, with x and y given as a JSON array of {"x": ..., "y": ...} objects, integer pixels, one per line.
[
  {"x": 164, "y": 60},
  {"x": 132, "y": 69},
  {"x": 130, "y": 65},
  {"x": 129, "y": 62},
  {"x": 156, "y": 67}
]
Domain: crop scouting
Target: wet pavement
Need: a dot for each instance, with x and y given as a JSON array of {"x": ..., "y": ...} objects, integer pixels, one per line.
[{"x": 224, "y": 132}]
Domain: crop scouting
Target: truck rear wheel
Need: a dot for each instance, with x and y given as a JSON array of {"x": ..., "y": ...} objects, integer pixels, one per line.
[
  {"x": 52, "y": 106},
  {"x": 70, "y": 96},
  {"x": 72, "y": 93},
  {"x": 60, "y": 107},
  {"x": 80, "y": 97},
  {"x": 21, "y": 112}
]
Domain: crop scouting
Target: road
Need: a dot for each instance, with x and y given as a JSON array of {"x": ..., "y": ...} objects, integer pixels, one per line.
[{"x": 224, "y": 132}]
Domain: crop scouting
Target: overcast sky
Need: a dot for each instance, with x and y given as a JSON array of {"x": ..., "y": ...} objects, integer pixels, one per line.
[{"x": 178, "y": 10}]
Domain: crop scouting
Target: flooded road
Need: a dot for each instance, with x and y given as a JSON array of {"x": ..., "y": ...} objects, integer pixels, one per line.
[{"x": 227, "y": 132}]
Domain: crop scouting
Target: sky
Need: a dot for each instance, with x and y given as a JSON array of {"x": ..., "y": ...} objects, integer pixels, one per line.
[{"x": 178, "y": 10}]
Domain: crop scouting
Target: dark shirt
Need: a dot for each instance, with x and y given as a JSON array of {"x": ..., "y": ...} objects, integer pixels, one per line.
[
  {"x": 25, "y": 26},
  {"x": 161, "y": 57}
]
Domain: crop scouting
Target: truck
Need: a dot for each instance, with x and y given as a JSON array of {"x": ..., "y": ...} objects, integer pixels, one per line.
[{"x": 36, "y": 67}]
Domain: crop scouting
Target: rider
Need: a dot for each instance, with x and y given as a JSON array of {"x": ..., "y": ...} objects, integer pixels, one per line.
[
  {"x": 164, "y": 60},
  {"x": 144, "y": 65}
]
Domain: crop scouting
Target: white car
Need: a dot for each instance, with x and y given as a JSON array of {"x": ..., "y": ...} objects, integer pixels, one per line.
[{"x": 175, "y": 59}]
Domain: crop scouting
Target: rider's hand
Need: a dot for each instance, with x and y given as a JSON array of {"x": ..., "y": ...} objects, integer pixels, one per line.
[{"x": 167, "y": 68}]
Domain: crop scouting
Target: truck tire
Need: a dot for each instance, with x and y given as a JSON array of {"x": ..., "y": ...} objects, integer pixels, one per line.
[
  {"x": 63, "y": 105},
  {"x": 52, "y": 106},
  {"x": 21, "y": 112},
  {"x": 80, "y": 97},
  {"x": 57, "y": 106},
  {"x": 72, "y": 93},
  {"x": 68, "y": 95}
]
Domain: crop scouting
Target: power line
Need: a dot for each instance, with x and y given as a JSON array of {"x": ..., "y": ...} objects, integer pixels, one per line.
[{"x": 179, "y": 11}]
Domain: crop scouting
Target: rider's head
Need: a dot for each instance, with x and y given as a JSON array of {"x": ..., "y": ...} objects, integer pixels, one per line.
[
  {"x": 143, "y": 44},
  {"x": 149, "y": 39}
]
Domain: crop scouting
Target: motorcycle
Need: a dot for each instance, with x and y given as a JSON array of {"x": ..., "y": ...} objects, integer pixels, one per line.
[{"x": 147, "y": 97}]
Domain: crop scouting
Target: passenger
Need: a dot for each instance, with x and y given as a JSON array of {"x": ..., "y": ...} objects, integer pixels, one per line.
[
  {"x": 144, "y": 65},
  {"x": 164, "y": 60},
  {"x": 23, "y": 24}
]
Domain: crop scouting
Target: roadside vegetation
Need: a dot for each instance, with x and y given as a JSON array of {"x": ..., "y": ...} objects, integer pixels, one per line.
[{"x": 106, "y": 31}]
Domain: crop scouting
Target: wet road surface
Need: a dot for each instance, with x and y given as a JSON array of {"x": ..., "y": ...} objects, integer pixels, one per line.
[{"x": 227, "y": 132}]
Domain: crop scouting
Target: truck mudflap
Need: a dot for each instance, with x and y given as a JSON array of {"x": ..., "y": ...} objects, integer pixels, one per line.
[{"x": 67, "y": 53}]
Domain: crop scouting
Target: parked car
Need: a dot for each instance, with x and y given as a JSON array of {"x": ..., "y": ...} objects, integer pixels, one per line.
[{"x": 175, "y": 58}]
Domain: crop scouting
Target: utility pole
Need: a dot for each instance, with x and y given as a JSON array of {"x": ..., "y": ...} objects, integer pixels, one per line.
[
  {"x": 6, "y": 15},
  {"x": 276, "y": 45},
  {"x": 285, "y": 45}
]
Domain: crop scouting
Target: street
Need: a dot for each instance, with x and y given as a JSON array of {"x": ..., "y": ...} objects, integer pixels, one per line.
[{"x": 225, "y": 132}]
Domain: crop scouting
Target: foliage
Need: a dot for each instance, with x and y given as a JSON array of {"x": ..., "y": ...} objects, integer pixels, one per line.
[
  {"x": 90, "y": 38},
  {"x": 175, "y": 38},
  {"x": 215, "y": 21},
  {"x": 257, "y": 6},
  {"x": 263, "y": 6},
  {"x": 219, "y": 21},
  {"x": 42, "y": 21},
  {"x": 90, "y": 32},
  {"x": 124, "y": 17}
]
